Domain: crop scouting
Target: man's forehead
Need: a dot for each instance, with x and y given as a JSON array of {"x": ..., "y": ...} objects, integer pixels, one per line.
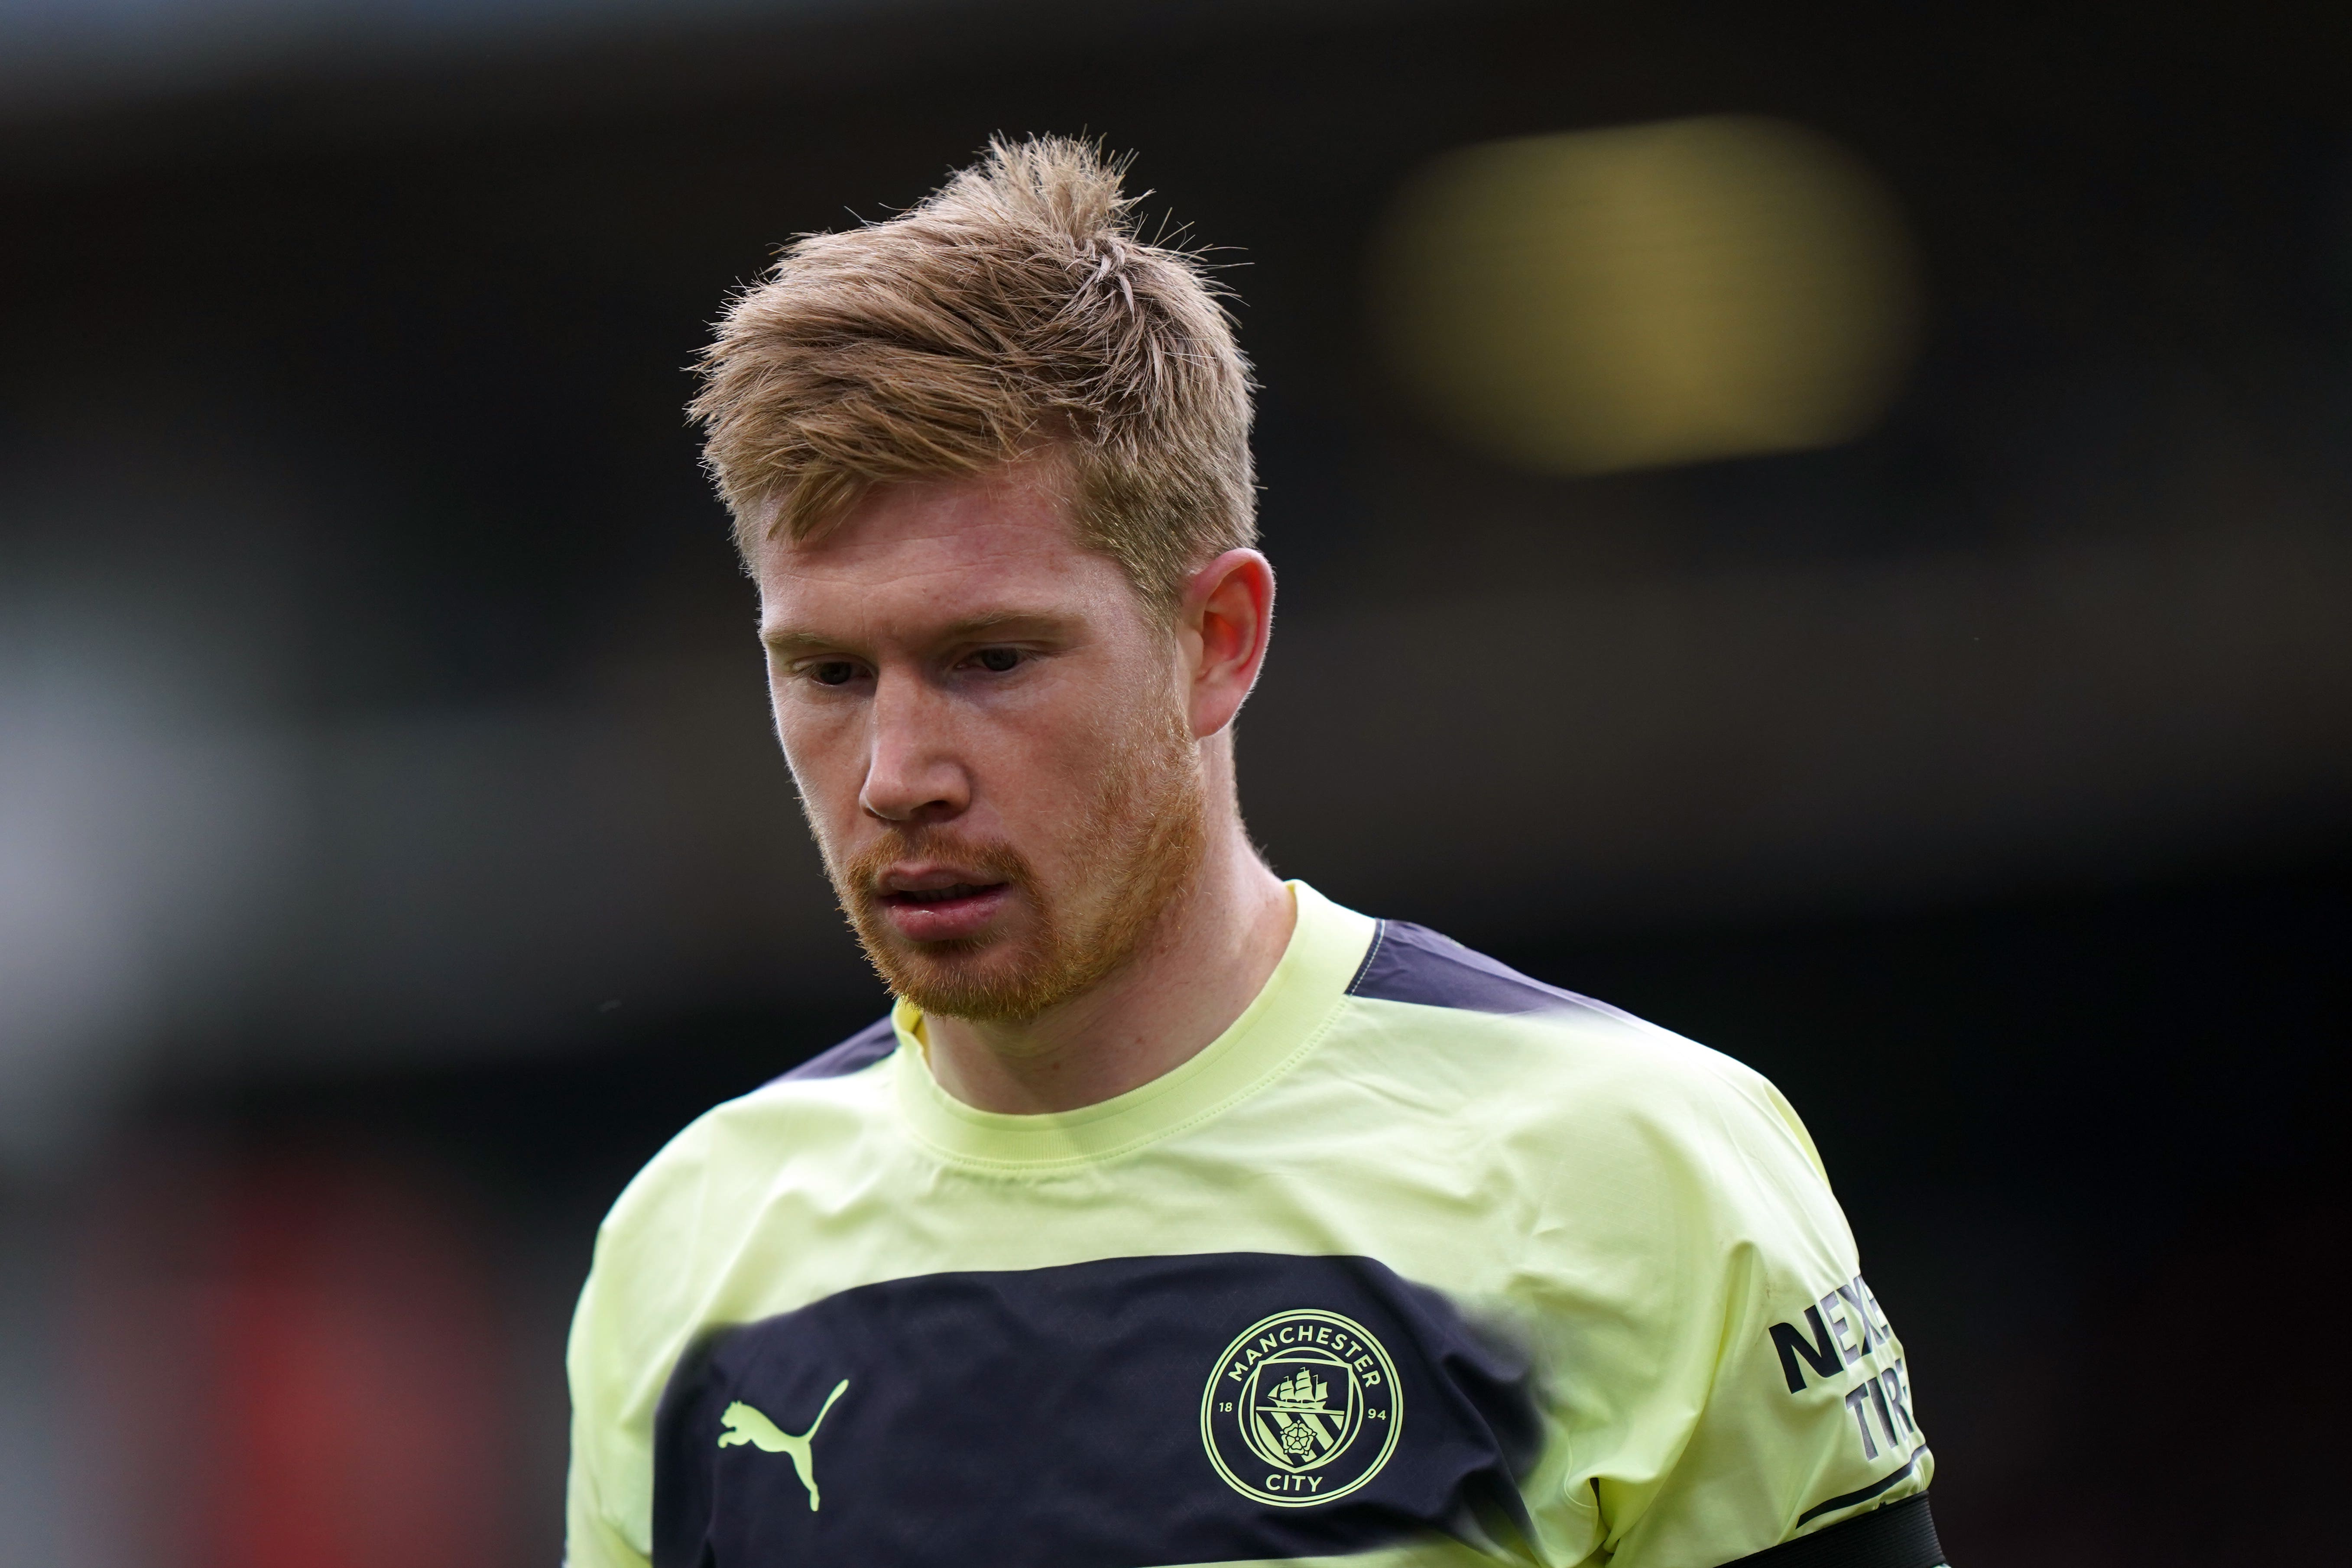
[
  {"x": 964, "y": 570},
  {"x": 927, "y": 558},
  {"x": 1018, "y": 512}
]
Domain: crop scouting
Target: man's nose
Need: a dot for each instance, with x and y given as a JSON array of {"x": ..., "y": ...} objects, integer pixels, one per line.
[{"x": 912, "y": 773}]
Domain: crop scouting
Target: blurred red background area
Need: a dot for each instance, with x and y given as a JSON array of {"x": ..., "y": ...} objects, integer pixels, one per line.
[{"x": 287, "y": 1361}]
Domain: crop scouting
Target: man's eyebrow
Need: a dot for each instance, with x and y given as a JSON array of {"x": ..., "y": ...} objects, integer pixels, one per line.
[
  {"x": 792, "y": 640},
  {"x": 796, "y": 639},
  {"x": 1001, "y": 620}
]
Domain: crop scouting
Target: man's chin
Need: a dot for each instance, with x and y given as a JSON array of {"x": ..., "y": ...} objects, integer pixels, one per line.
[
  {"x": 977, "y": 989},
  {"x": 988, "y": 977}
]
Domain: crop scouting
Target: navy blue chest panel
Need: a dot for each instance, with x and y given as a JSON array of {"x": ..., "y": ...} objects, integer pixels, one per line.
[{"x": 1110, "y": 1414}]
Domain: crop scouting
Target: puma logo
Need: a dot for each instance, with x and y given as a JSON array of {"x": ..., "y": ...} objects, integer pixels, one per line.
[{"x": 745, "y": 1425}]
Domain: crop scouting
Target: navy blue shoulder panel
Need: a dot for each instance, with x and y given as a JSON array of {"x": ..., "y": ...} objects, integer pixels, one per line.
[
  {"x": 1407, "y": 963},
  {"x": 860, "y": 1051}
]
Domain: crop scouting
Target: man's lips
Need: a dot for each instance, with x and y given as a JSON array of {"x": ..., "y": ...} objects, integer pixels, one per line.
[
  {"x": 934, "y": 909},
  {"x": 940, "y": 895}
]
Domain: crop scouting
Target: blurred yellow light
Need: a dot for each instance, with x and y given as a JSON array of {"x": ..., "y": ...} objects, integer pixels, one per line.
[{"x": 1647, "y": 294}]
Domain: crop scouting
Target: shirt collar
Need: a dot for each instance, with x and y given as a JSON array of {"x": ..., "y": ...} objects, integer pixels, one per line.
[{"x": 1279, "y": 1025}]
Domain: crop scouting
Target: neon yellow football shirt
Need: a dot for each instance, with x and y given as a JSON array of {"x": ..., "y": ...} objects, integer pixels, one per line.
[{"x": 1420, "y": 1262}]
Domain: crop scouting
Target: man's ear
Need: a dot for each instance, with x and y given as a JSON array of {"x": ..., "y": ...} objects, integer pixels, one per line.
[{"x": 1222, "y": 623}]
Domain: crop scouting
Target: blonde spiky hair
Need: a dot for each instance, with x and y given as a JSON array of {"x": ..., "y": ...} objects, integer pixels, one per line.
[{"x": 1013, "y": 311}]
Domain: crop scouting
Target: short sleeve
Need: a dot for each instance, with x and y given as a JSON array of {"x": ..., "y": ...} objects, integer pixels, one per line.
[
  {"x": 600, "y": 1441},
  {"x": 634, "y": 1315},
  {"x": 1810, "y": 1423},
  {"x": 1776, "y": 1399}
]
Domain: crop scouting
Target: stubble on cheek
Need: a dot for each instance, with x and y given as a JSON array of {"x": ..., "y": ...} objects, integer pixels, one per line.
[{"x": 1128, "y": 853}]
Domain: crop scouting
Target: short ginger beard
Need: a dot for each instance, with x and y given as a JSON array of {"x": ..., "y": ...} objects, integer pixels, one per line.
[{"x": 1141, "y": 844}]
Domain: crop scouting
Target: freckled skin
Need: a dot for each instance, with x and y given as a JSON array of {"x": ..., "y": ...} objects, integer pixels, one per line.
[{"x": 949, "y": 666}]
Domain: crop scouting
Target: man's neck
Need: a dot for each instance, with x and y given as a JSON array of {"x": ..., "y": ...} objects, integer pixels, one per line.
[{"x": 1196, "y": 972}]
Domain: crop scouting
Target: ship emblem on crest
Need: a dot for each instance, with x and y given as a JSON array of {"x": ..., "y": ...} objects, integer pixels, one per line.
[{"x": 1302, "y": 1407}]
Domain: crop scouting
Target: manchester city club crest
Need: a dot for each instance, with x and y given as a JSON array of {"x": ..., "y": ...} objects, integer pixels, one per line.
[{"x": 1303, "y": 1407}]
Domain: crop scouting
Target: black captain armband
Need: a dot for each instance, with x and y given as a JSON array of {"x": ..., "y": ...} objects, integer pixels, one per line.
[{"x": 1899, "y": 1535}]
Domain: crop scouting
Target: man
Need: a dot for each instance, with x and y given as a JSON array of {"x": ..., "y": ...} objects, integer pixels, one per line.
[{"x": 1175, "y": 1215}]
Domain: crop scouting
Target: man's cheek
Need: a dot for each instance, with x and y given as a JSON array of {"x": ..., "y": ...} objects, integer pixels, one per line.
[{"x": 826, "y": 788}]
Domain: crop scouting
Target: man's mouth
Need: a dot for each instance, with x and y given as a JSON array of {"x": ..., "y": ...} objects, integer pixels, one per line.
[
  {"x": 942, "y": 895},
  {"x": 949, "y": 911}
]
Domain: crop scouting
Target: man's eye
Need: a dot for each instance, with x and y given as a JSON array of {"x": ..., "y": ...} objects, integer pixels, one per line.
[
  {"x": 832, "y": 672},
  {"x": 997, "y": 661}
]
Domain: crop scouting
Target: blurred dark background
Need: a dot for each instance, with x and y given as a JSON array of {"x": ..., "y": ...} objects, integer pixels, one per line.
[{"x": 392, "y": 853}]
